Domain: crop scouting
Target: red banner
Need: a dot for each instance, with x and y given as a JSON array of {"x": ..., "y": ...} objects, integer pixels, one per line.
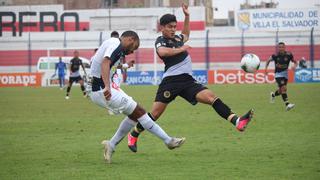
[
  {"x": 20, "y": 79},
  {"x": 241, "y": 77}
]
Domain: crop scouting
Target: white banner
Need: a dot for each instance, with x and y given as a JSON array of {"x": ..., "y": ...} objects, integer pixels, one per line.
[{"x": 282, "y": 19}]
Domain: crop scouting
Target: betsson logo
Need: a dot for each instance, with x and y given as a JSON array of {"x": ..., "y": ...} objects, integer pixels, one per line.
[{"x": 238, "y": 76}]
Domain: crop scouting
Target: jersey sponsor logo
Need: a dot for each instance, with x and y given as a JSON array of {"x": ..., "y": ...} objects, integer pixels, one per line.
[
  {"x": 158, "y": 45},
  {"x": 166, "y": 94}
]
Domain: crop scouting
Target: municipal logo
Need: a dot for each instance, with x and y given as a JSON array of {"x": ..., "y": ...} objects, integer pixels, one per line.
[{"x": 244, "y": 20}]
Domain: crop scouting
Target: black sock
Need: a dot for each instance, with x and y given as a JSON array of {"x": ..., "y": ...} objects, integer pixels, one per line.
[
  {"x": 68, "y": 90},
  {"x": 82, "y": 88},
  {"x": 140, "y": 128},
  {"x": 285, "y": 98},
  {"x": 234, "y": 120},
  {"x": 223, "y": 110},
  {"x": 134, "y": 133},
  {"x": 276, "y": 93}
]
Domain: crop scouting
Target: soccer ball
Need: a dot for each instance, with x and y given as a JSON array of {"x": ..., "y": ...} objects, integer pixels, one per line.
[{"x": 250, "y": 63}]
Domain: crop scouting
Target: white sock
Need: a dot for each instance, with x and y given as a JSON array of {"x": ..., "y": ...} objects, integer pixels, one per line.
[
  {"x": 149, "y": 125},
  {"x": 124, "y": 128}
]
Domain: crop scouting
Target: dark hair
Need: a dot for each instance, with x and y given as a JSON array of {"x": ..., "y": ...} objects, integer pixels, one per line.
[
  {"x": 167, "y": 18},
  {"x": 281, "y": 43},
  {"x": 114, "y": 34},
  {"x": 132, "y": 34}
]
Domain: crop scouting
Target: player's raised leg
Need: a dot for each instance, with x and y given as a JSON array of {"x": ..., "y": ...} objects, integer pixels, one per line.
[
  {"x": 273, "y": 95},
  {"x": 207, "y": 97}
]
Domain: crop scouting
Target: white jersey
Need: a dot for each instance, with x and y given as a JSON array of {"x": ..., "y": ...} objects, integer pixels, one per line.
[
  {"x": 120, "y": 102},
  {"x": 111, "y": 49}
]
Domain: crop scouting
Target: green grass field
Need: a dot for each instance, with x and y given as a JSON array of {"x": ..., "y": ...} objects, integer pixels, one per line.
[{"x": 44, "y": 136}]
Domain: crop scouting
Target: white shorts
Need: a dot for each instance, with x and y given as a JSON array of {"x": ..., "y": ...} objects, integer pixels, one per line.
[{"x": 119, "y": 103}]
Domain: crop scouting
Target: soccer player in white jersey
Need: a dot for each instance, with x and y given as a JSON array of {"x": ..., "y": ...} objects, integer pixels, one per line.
[{"x": 114, "y": 99}]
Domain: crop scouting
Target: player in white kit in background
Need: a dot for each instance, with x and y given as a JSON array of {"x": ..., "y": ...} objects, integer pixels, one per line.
[{"x": 114, "y": 99}]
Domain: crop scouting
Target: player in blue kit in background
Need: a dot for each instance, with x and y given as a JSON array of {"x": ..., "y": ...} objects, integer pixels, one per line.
[{"x": 61, "y": 67}]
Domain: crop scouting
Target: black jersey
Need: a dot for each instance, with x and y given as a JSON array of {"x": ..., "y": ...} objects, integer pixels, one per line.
[
  {"x": 176, "y": 42},
  {"x": 282, "y": 61},
  {"x": 75, "y": 64}
]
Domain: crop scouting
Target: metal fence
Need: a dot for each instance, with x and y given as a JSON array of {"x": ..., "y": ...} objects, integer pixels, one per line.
[{"x": 209, "y": 50}]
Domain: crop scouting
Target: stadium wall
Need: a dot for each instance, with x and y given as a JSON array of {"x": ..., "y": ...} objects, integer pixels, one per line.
[{"x": 225, "y": 49}]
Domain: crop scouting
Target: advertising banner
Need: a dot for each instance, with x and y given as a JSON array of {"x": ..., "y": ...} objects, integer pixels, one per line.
[
  {"x": 241, "y": 77},
  {"x": 20, "y": 79},
  {"x": 282, "y": 19},
  {"x": 143, "y": 77},
  {"x": 201, "y": 76},
  {"x": 147, "y": 77},
  {"x": 307, "y": 75}
]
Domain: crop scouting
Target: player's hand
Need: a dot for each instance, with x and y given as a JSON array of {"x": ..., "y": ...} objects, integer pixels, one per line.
[
  {"x": 185, "y": 9},
  {"x": 185, "y": 47},
  {"x": 294, "y": 67},
  {"x": 107, "y": 93},
  {"x": 130, "y": 63}
]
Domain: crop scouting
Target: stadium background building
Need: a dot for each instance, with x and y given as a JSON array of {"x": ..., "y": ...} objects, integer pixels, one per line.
[{"x": 31, "y": 30}]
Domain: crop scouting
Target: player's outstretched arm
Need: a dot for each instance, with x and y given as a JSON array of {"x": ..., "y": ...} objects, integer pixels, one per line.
[
  {"x": 186, "y": 25},
  {"x": 295, "y": 64},
  {"x": 84, "y": 70},
  {"x": 165, "y": 52},
  {"x": 267, "y": 64}
]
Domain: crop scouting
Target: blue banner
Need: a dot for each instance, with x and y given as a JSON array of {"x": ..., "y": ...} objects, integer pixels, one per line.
[
  {"x": 147, "y": 77},
  {"x": 307, "y": 75},
  {"x": 143, "y": 77},
  {"x": 201, "y": 76}
]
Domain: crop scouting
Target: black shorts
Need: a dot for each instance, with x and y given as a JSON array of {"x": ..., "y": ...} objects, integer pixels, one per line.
[
  {"x": 97, "y": 84},
  {"x": 75, "y": 79},
  {"x": 281, "y": 81},
  {"x": 183, "y": 85}
]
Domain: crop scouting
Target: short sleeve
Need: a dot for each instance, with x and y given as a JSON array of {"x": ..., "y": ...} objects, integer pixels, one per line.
[
  {"x": 181, "y": 36},
  {"x": 291, "y": 57},
  {"x": 160, "y": 42},
  {"x": 272, "y": 57},
  {"x": 111, "y": 47}
]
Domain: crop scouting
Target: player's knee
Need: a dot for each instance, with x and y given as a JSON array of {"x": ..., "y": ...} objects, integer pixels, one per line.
[
  {"x": 137, "y": 113},
  {"x": 283, "y": 89},
  {"x": 206, "y": 97}
]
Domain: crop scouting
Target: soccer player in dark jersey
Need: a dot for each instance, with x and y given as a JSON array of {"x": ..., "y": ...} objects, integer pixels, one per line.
[
  {"x": 75, "y": 76},
  {"x": 177, "y": 79},
  {"x": 282, "y": 61}
]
